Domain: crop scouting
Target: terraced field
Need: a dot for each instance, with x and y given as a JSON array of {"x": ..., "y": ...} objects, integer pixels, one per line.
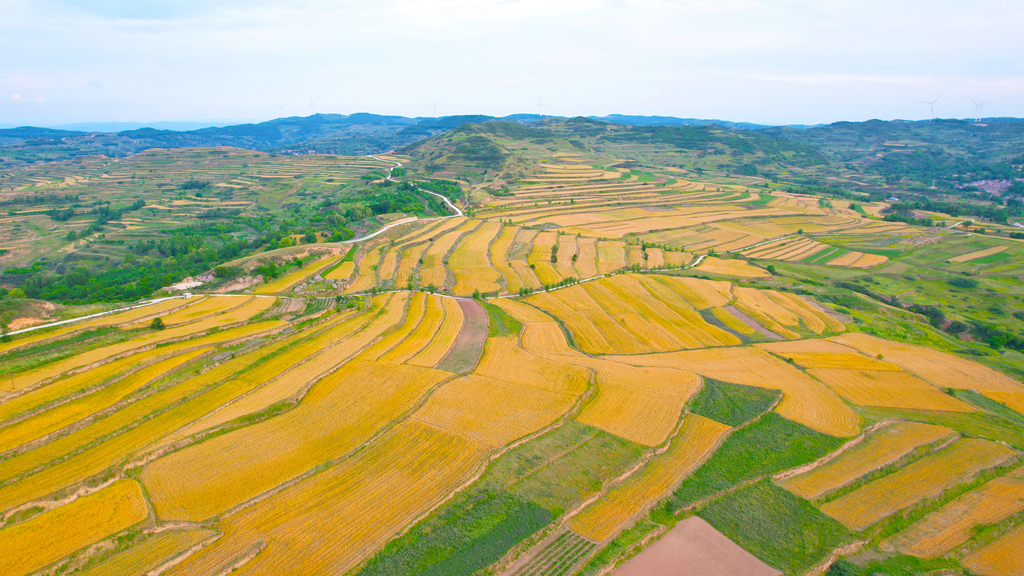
[{"x": 602, "y": 366}]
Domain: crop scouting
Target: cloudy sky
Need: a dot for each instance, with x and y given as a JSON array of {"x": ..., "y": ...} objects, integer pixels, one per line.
[{"x": 775, "y": 62}]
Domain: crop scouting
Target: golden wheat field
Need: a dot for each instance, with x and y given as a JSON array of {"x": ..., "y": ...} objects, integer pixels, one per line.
[
  {"x": 50, "y": 536},
  {"x": 879, "y": 448},
  {"x": 938, "y": 368},
  {"x": 696, "y": 439},
  {"x": 1003, "y": 557},
  {"x": 887, "y": 389},
  {"x": 953, "y": 525},
  {"x": 924, "y": 478},
  {"x": 150, "y": 553},
  {"x": 804, "y": 399}
]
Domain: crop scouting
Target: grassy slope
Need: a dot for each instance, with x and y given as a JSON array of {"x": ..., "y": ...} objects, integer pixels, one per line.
[
  {"x": 732, "y": 404},
  {"x": 770, "y": 445},
  {"x": 522, "y": 492},
  {"x": 779, "y": 528}
]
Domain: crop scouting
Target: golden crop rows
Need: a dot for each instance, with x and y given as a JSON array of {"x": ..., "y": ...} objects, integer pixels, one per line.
[
  {"x": 54, "y": 534},
  {"x": 697, "y": 438},
  {"x": 340, "y": 412},
  {"x": 922, "y": 479},
  {"x": 149, "y": 553},
  {"x": 955, "y": 523},
  {"x": 41, "y": 424},
  {"x": 878, "y": 449},
  {"x": 804, "y": 399}
]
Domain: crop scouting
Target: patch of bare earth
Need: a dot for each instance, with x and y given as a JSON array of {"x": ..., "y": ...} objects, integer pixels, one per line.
[
  {"x": 753, "y": 324},
  {"x": 469, "y": 344},
  {"x": 694, "y": 548}
]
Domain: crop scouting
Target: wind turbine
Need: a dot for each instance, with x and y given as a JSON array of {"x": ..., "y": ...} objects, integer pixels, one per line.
[
  {"x": 539, "y": 105},
  {"x": 280, "y": 110},
  {"x": 434, "y": 106},
  {"x": 978, "y": 107},
  {"x": 311, "y": 103},
  {"x": 932, "y": 103}
]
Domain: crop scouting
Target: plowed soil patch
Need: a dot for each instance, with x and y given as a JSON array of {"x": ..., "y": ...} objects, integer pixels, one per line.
[
  {"x": 694, "y": 548},
  {"x": 469, "y": 344}
]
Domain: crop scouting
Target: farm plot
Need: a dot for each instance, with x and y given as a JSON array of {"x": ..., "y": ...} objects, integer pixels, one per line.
[
  {"x": 149, "y": 553},
  {"x": 342, "y": 271},
  {"x": 286, "y": 282},
  {"x": 697, "y": 438},
  {"x": 341, "y": 411},
  {"x": 922, "y": 479},
  {"x": 887, "y": 389},
  {"x": 694, "y": 548},
  {"x": 540, "y": 258},
  {"x": 116, "y": 319},
  {"x": 880, "y": 448},
  {"x": 639, "y": 404},
  {"x": 511, "y": 394},
  {"x": 776, "y": 527},
  {"x": 470, "y": 264},
  {"x": 611, "y": 256},
  {"x": 649, "y": 335},
  {"x": 305, "y": 364},
  {"x": 825, "y": 354},
  {"x": 647, "y": 310},
  {"x": 56, "y": 418},
  {"x": 435, "y": 351},
  {"x": 75, "y": 384},
  {"x": 765, "y": 310},
  {"x": 44, "y": 374},
  {"x": 566, "y": 253},
  {"x": 352, "y": 508},
  {"x": 586, "y": 257},
  {"x": 433, "y": 270},
  {"x": 389, "y": 263},
  {"x": 468, "y": 347},
  {"x": 1003, "y": 557},
  {"x": 367, "y": 272},
  {"x": 409, "y": 263},
  {"x": 733, "y": 321},
  {"x": 119, "y": 440},
  {"x": 699, "y": 293},
  {"x": 632, "y": 314},
  {"x": 955, "y": 523},
  {"x": 1013, "y": 400},
  {"x": 940, "y": 369},
  {"x": 52, "y": 535},
  {"x": 500, "y": 259},
  {"x": 424, "y": 334},
  {"x": 804, "y": 399},
  {"x": 558, "y": 557},
  {"x": 593, "y": 330},
  {"x": 413, "y": 319},
  {"x": 970, "y": 256},
  {"x": 737, "y": 268},
  {"x": 205, "y": 307}
]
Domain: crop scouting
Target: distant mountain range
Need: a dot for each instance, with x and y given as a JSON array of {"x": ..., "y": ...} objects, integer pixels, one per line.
[{"x": 364, "y": 133}]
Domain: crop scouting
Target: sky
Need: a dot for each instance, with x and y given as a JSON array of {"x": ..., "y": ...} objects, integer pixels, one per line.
[{"x": 779, "y": 62}]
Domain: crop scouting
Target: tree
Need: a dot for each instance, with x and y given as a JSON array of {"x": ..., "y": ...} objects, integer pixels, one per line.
[
  {"x": 157, "y": 324},
  {"x": 285, "y": 242}
]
